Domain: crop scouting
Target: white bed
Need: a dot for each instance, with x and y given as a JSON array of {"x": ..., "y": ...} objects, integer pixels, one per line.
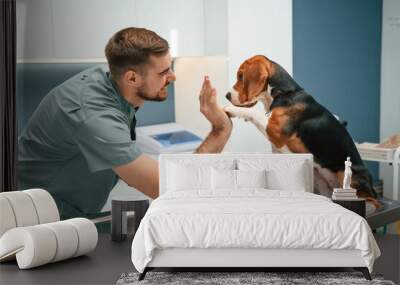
[{"x": 247, "y": 210}]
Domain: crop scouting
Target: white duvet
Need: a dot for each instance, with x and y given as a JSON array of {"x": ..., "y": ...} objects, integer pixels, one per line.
[{"x": 250, "y": 219}]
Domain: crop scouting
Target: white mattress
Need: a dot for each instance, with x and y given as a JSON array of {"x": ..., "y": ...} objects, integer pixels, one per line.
[{"x": 252, "y": 218}]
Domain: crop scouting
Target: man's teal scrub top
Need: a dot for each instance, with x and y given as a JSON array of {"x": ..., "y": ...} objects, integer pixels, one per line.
[{"x": 80, "y": 130}]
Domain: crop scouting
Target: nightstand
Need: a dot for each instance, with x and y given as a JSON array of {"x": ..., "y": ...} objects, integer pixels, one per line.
[
  {"x": 119, "y": 223},
  {"x": 357, "y": 205}
]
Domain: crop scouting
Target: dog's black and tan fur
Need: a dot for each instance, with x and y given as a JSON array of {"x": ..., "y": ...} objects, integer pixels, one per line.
[{"x": 297, "y": 121}]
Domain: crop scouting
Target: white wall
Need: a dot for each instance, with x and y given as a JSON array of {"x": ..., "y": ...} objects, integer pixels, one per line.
[
  {"x": 250, "y": 28},
  {"x": 390, "y": 75},
  {"x": 257, "y": 27},
  {"x": 190, "y": 72}
]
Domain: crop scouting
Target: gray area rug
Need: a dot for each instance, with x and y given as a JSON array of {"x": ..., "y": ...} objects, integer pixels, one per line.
[{"x": 231, "y": 278}]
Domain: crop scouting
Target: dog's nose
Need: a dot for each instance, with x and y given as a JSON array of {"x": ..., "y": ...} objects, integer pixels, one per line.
[{"x": 228, "y": 96}]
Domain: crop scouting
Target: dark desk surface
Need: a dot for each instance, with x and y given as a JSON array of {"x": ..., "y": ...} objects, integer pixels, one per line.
[
  {"x": 102, "y": 266},
  {"x": 389, "y": 213},
  {"x": 110, "y": 259}
]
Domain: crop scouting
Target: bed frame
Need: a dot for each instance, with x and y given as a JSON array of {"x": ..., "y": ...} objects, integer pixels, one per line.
[
  {"x": 250, "y": 258},
  {"x": 246, "y": 259}
]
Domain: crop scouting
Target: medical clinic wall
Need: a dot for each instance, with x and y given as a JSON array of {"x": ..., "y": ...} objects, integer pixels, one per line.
[
  {"x": 390, "y": 74},
  {"x": 243, "y": 29},
  {"x": 256, "y": 27},
  {"x": 336, "y": 58}
]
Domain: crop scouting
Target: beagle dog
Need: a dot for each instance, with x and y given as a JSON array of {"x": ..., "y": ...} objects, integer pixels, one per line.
[{"x": 297, "y": 122}]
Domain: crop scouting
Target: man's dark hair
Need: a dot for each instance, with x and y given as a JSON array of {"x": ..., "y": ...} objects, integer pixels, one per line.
[{"x": 131, "y": 48}]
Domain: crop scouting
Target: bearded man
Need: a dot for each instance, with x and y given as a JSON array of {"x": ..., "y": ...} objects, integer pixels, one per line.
[{"x": 81, "y": 139}]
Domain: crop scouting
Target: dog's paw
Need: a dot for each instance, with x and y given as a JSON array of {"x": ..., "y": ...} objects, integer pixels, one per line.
[
  {"x": 238, "y": 112},
  {"x": 230, "y": 110}
]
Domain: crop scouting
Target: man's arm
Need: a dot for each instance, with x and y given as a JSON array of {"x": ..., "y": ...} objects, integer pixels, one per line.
[
  {"x": 214, "y": 142},
  {"x": 141, "y": 174}
]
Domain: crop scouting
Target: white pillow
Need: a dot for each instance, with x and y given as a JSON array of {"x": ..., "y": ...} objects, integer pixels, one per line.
[
  {"x": 188, "y": 177},
  {"x": 226, "y": 179},
  {"x": 251, "y": 178},
  {"x": 293, "y": 180},
  {"x": 223, "y": 179},
  {"x": 281, "y": 174}
]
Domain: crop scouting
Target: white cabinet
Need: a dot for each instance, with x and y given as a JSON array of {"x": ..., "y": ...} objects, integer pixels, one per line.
[
  {"x": 34, "y": 29},
  {"x": 53, "y": 30},
  {"x": 82, "y": 28},
  {"x": 75, "y": 29},
  {"x": 192, "y": 27},
  {"x": 370, "y": 152},
  {"x": 215, "y": 27},
  {"x": 180, "y": 22}
]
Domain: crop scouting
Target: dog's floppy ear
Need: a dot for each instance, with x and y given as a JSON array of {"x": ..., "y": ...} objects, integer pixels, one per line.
[{"x": 264, "y": 76}]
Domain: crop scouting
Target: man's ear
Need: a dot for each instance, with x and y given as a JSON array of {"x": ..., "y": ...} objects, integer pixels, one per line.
[{"x": 132, "y": 77}]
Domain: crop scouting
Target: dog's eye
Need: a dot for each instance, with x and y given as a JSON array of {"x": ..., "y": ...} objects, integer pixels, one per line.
[{"x": 240, "y": 76}]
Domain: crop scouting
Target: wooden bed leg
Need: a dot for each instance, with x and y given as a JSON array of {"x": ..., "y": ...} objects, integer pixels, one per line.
[
  {"x": 143, "y": 274},
  {"x": 364, "y": 271}
]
